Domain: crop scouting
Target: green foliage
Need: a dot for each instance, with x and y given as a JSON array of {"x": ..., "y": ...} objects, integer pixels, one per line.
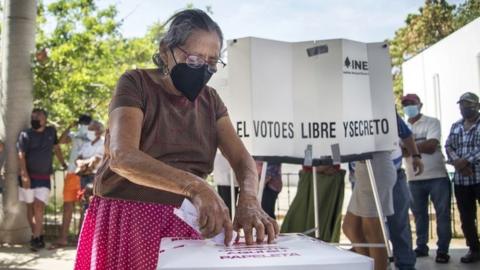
[
  {"x": 467, "y": 12},
  {"x": 79, "y": 62},
  {"x": 435, "y": 20}
]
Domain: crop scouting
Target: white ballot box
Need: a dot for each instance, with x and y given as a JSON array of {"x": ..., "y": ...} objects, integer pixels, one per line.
[{"x": 289, "y": 252}]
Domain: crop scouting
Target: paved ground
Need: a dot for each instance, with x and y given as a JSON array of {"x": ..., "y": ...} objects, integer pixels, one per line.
[{"x": 19, "y": 257}]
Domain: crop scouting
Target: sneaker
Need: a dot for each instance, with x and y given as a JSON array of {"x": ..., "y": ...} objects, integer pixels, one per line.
[
  {"x": 442, "y": 257},
  {"x": 470, "y": 257},
  {"x": 421, "y": 253}
]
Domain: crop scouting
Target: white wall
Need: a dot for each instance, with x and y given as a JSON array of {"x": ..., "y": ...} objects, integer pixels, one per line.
[{"x": 453, "y": 64}]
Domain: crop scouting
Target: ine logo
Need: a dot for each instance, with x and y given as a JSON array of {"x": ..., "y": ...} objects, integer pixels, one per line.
[{"x": 353, "y": 66}]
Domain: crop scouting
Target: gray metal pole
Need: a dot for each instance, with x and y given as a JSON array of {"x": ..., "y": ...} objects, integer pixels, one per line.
[
  {"x": 381, "y": 217},
  {"x": 315, "y": 201}
]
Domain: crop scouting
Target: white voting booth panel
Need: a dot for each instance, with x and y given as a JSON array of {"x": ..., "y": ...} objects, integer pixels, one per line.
[
  {"x": 289, "y": 252},
  {"x": 280, "y": 99}
]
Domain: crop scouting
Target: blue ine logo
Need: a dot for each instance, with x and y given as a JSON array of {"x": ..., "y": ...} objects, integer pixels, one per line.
[{"x": 353, "y": 66}]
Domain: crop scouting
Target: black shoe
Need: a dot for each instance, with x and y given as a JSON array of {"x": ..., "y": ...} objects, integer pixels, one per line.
[
  {"x": 33, "y": 244},
  {"x": 442, "y": 257},
  {"x": 421, "y": 253},
  {"x": 37, "y": 243},
  {"x": 470, "y": 257},
  {"x": 41, "y": 243}
]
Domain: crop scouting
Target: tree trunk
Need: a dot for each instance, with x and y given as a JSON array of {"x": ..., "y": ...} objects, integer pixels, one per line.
[{"x": 18, "y": 44}]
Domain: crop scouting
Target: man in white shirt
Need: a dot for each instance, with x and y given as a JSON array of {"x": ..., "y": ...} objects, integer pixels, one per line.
[
  {"x": 71, "y": 184},
  {"x": 433, "y": 183},
  {"x": 90, "y": 154}
]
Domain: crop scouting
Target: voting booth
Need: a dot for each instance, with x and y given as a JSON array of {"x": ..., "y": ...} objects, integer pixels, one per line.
[
  {"x": 289, "y": 252},
  {"x": 315, "y": 102},
  {"x": 284, "y": 96}
]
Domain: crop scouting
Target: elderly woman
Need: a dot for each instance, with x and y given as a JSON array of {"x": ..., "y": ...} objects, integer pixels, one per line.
[{"x": 164, "y": 129}]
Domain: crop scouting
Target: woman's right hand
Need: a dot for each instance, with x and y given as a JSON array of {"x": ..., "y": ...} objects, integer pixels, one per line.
[{"x": 212, "y": 211}]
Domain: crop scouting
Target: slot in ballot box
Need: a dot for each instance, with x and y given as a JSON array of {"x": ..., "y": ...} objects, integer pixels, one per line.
[{"x": 289, "y": 252}]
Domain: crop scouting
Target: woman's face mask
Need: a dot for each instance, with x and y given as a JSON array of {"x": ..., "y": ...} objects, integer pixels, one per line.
[{"x": 190, "y": 80}]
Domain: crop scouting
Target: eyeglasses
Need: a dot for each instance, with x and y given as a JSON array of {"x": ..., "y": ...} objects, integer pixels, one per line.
[{"x": 196, "y": 61}]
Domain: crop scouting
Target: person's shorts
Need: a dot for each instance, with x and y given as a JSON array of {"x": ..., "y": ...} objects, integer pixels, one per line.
[
  {"x": 362, "y": 202},
  {"x": 29, "y": 195},
  {"x": 71, "y": 187}
]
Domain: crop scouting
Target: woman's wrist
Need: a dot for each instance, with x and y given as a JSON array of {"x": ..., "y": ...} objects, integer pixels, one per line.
[
  {"x": 193, "y": 188},
  {"x": 242, "y": 196}
]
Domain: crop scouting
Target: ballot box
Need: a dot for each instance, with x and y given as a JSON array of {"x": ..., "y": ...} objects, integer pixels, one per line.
[{"x": 288, "y": 252}]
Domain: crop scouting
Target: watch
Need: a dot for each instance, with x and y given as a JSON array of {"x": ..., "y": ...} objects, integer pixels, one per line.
[{"x": 417, "y": 156}]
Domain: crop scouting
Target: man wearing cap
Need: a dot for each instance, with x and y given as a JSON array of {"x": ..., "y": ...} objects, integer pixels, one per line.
[
  {"x": 463, "y": 151},
  {"x": 432, "y": 183}
]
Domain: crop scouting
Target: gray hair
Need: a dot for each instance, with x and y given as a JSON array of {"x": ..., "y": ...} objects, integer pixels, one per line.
[
  {"x": 98, "y": 125},
  {"x": 182, "y": 25}
]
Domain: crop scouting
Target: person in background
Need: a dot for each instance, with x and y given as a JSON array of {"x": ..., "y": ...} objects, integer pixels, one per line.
[
  {"x": 463, "y": 151},
  {"x": 399, "y": 223},
  {"x": 71, "y": 186},
  {"x": 35, "y": 148},
  {"x": 361, "y": 223},
  {"x": 273, "y": 186},
  {"x": 433, "y": 183},
  {"x": 90, "y": 155}
]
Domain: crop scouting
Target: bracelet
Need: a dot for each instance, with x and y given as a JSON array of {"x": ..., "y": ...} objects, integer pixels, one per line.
[{"x": 417, "y": 156}]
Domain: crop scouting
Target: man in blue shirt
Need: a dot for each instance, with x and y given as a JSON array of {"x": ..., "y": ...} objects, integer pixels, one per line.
[{"x": 361, "y": 224}]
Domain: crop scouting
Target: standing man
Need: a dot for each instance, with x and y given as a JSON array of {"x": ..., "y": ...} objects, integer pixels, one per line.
[
  {"x": 71, "y": 185},
  {"x": 463, "y": 151},
  {"x": 433, "y": 183},
  {"x": 35, "y": 146},
  {"x": 273, "y": 186},
  {"x": 90, "y": 154}
]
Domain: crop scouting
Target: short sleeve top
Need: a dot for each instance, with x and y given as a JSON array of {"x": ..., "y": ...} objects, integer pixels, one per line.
[{"x": 175, "y": 131}]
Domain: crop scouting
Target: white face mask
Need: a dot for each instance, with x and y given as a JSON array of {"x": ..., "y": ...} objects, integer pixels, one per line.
[
  {"x": 82, "y": 130},
  {"x": 91, "y": 135}
]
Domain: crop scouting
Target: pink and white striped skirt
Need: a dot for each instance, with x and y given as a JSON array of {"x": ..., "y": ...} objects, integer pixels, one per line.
[{"x": 119, "y": 234}]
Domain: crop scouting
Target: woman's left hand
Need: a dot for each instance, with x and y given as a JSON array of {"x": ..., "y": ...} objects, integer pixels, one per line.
[{"x": 250, "y": 215}]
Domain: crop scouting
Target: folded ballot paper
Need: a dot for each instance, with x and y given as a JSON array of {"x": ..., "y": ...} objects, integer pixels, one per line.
[
  {"x": 188, "y": 213},
  {"x": 289, "y": 252}
]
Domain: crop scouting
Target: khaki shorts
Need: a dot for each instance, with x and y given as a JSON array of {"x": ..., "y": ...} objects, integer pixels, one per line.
[{"x": 362, "y": 202}]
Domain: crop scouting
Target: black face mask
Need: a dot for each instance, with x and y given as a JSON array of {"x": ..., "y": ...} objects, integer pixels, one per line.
[
  {"x": 190, "y": 81},
  {"x": 35, "y": 124},
  {"x": 468, "y": 112}
]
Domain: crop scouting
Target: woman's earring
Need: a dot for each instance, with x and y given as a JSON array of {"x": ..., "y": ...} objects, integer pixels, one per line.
[{"x": 165, "y": 70}]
